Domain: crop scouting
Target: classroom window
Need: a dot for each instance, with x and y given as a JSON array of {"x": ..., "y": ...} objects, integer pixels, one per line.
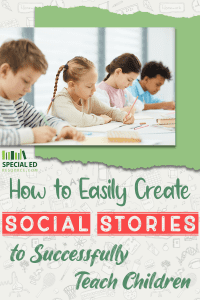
[
  {"x": 101, "y": 46},
  {"x": 60, "y": 45},
  {"x": 123, "y": 40},
  {"x": 7, "y": 34}
]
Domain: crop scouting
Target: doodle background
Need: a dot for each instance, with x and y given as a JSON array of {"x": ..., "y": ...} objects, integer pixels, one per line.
[
  {"x": 21, "y": 13},
  {"x": 175, "y": 255},
  {"x": 27, "y": 279}
]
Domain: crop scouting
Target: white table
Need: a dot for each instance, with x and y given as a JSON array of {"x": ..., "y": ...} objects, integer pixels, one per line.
[{"x": 149, "y": 135}]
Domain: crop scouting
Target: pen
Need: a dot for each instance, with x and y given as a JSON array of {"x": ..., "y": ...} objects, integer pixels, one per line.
[
  {"x": 132, "y": 107},
  {"x": 138, "y": 127}
]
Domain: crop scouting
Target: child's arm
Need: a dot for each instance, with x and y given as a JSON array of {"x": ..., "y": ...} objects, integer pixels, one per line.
[
  {"x": 64, "y": 108},
  {"x": 15, "y": 137},
  {"x": 40, "y": 132},
  {"x": 161, "y": 105},
  {"x": 33, "y": 118},
  {"x": 12, "y": 137},
  {"x": 100, "y": 108},
  {"x": 139, "y": 106},
  {"x": 157, "y": 103}
]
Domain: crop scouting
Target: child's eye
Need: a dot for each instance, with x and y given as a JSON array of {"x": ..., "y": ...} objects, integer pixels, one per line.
[{"x": 26, "y": 81}]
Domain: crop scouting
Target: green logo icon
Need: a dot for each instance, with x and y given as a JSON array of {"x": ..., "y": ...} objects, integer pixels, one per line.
[{"x": 12, "y": 155}]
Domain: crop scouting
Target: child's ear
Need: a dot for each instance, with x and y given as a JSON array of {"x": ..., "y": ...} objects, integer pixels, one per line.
[
  {"x": 71, "y": 84},
  {"x": 146, "y": 78},
  {"x": 118, "y": 71},
  {"x": 4, "y": 68}
]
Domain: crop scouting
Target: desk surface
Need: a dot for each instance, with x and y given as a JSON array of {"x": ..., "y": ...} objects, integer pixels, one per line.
[{"x": 150, "y": 135}]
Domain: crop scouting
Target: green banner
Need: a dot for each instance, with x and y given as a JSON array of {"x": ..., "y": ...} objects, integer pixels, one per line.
[{"x": 185, "y": 153}]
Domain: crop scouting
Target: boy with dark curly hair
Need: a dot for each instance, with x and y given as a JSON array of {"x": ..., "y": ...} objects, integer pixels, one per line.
[{"x": 153, "y": 76}]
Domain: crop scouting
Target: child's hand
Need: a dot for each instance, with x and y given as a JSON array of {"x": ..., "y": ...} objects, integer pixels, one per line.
[
  {"x": 106, "y": 119},
  {"x": 128, "y": 119},
  {"x": 168, "y": 105},
  {"x": 43, "y": 134},
  {"x": 70, "y": 133}
]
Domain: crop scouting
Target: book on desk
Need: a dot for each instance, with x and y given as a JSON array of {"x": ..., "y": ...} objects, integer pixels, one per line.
[{"x": 167, "y": 120}]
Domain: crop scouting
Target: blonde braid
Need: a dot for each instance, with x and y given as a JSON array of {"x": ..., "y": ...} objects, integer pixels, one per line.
[{"x": 55, "y": 86}]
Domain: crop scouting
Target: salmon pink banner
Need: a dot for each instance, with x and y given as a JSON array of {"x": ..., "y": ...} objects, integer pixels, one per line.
[
  {"x": 140, "y": 223},
  {"x": 40, "y": 223}
]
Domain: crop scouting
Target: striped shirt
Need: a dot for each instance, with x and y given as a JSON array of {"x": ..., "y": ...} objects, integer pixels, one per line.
[{"x": 16, "y": 120}]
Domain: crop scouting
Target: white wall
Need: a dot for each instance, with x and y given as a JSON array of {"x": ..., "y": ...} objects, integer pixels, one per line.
[{"x": 161, "y": 47}]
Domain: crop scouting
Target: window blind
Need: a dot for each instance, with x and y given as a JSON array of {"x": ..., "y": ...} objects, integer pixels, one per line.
[{"x": 123, "y": 40}]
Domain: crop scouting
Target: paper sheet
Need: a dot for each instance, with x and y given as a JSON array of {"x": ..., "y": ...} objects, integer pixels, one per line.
[
  {"x": 101, "y": 128},
  {"x": 142, "y": 116}
]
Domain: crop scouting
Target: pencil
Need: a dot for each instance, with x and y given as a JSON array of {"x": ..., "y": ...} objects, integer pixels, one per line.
[
  {"x": 138, "y": 127},
  {"x": 132, "y": 106},
  {"x": 44, "y": 119}
]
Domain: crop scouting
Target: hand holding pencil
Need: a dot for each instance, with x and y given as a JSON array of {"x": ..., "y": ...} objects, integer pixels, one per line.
[
  {"x": 43, "y": 134},
  {"x": 46, "y": 133},
  {"x": 129, "y": 118}
]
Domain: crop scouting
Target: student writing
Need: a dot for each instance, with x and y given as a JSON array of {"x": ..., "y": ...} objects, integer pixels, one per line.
[
  {"x": 122, "y": 71},
  {"x": 153, "y": 76},
  {"x": 21, "y": 64},
  {"x": 76, "y": 103}
]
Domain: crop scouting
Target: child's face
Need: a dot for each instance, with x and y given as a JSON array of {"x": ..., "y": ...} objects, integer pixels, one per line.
[
  {"x": 14, "y": 86},
  {"x": 153, "y": 85},
  {"x": 124, "y": 80},
  {"x": 85, "y": 88}
]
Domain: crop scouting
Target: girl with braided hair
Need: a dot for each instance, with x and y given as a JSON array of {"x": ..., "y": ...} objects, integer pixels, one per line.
[
  {"x": 77, "y": 103},
  {"x": 122, "y": 71}
]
